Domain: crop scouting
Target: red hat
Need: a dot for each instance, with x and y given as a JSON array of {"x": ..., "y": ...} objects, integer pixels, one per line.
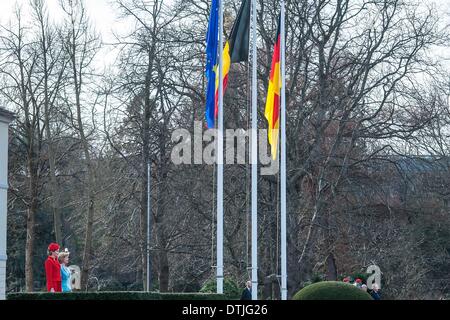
[
  {"x": 358, "y": 280},
  {"x": 53, "y": 247}
]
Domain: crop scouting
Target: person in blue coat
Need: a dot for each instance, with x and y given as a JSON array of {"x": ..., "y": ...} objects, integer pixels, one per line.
[{"x": 63, "y": 258}]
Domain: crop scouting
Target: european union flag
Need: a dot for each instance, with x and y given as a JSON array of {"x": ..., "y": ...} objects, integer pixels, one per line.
[{"x": 212, "y": 43}]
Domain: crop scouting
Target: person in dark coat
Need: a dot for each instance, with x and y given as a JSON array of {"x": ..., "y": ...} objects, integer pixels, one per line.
[
  {"x": 247, "y": 293},
  {"x": 375, "y": 293}
]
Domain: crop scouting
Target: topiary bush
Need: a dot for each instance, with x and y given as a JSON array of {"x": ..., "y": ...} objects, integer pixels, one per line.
[{"x": 331, "y": 290}]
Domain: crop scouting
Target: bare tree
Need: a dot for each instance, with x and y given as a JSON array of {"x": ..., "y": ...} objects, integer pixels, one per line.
[
  {"x": 19, "y": 64},
  {"x": 81, "y": 45},
  {"x": 53, "y": 66},
  {"x": 354, "y": 88}
]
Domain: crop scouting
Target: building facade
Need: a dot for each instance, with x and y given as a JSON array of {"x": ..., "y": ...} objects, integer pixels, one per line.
[{"x": 5, "y": 119}]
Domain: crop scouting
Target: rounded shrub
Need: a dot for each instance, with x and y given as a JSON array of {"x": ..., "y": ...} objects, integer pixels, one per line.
[{"x": 331, "y": 290}]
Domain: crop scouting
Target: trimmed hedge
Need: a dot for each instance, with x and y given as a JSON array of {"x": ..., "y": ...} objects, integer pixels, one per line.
[
  {"x": 195, "y": 296},
  {"x": 115, "y": 295},
  {"x": 331, "y": 290}
]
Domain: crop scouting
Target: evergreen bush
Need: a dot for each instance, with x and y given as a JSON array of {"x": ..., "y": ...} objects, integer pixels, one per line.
[{"x": 331, "y": 290}]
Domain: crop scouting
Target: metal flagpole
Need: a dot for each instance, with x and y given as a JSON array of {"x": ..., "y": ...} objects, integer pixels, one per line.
[
  {"x": 149, "y": 176},
  {"x": 283, "y": 159},
  {"x": 220, "y": 160},
  {"x": 254, "y": 146}
]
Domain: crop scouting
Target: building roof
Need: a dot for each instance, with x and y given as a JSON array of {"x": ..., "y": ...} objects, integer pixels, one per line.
[
  {"x": 5, "y": 114},
  {"x": 424, "y": 164}
]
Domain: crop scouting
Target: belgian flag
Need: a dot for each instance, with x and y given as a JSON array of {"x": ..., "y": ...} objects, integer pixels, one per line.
[
  {"x": 236, "y": 47},
  {"x": 272, "y": 112}
]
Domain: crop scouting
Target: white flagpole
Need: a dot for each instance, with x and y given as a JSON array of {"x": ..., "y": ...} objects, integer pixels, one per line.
[
  {"x": 220, "y": 160},
  {"x": 254, "y": 146},
  {"x": 149, "y": 228},
  {"x": 283, "y": 159}
]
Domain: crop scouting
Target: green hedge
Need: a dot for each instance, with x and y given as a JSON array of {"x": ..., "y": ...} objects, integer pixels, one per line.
[
  {"x": 116, "y": 295},
  {"x": 195, "y": 296},
  {"x": 331, "y": 290}
]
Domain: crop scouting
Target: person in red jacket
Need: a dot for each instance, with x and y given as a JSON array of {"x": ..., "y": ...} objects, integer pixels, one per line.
[{"x": 53, "y": 269}]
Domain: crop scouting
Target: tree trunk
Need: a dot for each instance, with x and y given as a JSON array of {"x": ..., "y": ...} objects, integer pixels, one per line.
[
  {"x": 57, "y": 220},
  {"x": 331, "y": 268},
  {"x": 163, "y": 261},
  {"x": 87, "y": 254},
  {"x": 146, "y": 159},
  {"x": 330, "y": 243},
  {"x": 143, "y": 226},
  {"x": 29, "y": 249},
  {"x": 31, "y": 215},
  {"x": 144, "y": 188},
  {"x": 74, "y": 47},
  {"x": 163, "y": 271}
]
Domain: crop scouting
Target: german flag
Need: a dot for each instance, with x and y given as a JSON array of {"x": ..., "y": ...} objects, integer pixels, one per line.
[
  {"x": 272, "y": 112},
  {"x": 236, "y": 47}
]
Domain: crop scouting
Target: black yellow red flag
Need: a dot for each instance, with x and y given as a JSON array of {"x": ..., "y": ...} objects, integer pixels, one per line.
[{"x": 236, "y": 47}]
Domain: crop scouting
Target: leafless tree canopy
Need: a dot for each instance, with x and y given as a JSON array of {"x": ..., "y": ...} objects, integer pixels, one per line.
[{"x": 367, "y": 134}]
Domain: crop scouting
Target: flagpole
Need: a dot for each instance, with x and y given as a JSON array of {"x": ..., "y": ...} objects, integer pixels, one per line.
[
  {"x": 254, "y": 147},
  {"x": 149, "y": 208},
  {"x": 220, "y": 160},
  {"x": 283, "y": 158}
]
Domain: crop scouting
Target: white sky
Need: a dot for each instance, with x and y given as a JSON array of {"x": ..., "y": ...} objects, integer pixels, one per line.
[
  {"x": 101, "y": 12},
  {"x": 104, "y": 16}
]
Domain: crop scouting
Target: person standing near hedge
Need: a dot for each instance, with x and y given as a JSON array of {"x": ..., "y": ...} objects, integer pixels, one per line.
[
  {"x": 247, "y": 293},
  {"x": 63, "y": 258},
  {"x": 53, "y": 269},
  {"x": 375, "y": 293}
]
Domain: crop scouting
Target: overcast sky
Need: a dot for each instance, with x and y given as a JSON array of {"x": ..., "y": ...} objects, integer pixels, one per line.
[{"x": 103, "y": 14}]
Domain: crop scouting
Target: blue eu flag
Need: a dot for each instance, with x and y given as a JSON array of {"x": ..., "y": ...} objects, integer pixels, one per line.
[{"x": 211, "y": 60}]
